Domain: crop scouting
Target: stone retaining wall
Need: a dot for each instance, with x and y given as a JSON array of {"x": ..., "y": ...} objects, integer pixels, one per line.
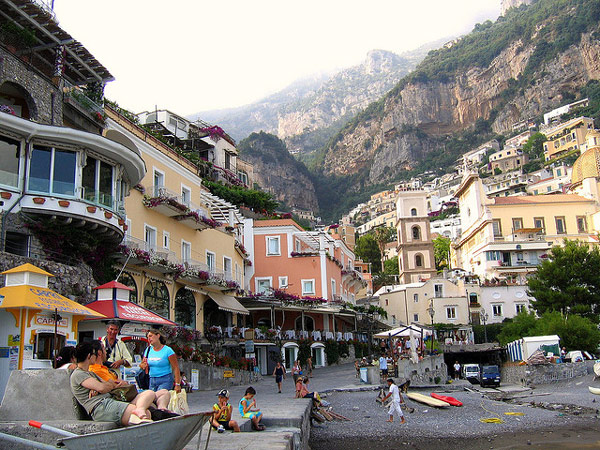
[
  {"x": 45, "y": 101},
  {"x": 211, "y": 378},
  {"x": 73, "y": 282},
  {"x": 425, "y": 371},
  {"x": 545, "y": 373}
]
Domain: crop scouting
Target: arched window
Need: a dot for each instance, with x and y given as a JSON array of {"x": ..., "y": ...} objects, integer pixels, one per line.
[
  {"x": 413, "y": 212},
  {"x": 17, "y": 100},
  {"x": 156, "y": 297},
  {"x": 185, "y": 308},
  {"x": 309, "y": 323},
  {"x": 416, "y": 233},
  {"x": 128, "y": 281},
  {"x": 213, "y": 315},
  {"x": 419, "y": 260}
]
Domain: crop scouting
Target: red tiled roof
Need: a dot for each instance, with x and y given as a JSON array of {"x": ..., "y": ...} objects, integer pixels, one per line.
[
  {"x": 277, "y": 223},
  {"x": 532, "y": 199}
]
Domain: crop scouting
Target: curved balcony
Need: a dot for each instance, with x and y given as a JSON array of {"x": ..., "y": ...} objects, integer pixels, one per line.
[{"x": 71, "y": 176}]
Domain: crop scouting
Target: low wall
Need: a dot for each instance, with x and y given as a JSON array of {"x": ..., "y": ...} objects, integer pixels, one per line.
[
  {"x": 544, "y": 373},
  {"x": 351, "y": 356},
  {"x": 211, "y": 377},
  {"x": 425, "y": 371}
]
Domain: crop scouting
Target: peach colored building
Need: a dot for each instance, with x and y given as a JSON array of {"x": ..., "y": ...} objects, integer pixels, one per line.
[{"x": 301, "y": 282}]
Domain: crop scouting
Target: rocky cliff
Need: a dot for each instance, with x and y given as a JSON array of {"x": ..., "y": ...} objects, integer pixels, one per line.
[
  {"x": 536, "y": 66},
  {"x": 278, "y": 172}
]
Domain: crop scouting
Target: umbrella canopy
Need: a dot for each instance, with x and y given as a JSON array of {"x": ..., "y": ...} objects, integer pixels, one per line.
[
  {"x": 125, "y": 310},
  {"x": 32, "y": 297},
  {"x": 403, "y": 332}
]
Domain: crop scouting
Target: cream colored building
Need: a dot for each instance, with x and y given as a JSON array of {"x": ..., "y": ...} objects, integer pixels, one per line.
[
  {"x": 566, "y": 137},
  {"x": 507, "y": 237},
  {"x": 388, "y": 219},
  {"x": 409, "y": 303},
  {"x": 185, "y": 245}
]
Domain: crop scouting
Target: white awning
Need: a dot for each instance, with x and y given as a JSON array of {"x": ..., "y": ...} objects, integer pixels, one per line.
[
  {"x": 228, "y": 303},
  {"x": 403, "y": 332}
]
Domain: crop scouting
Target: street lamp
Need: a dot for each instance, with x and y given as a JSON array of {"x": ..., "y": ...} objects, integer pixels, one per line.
[
  {"x": 484, "y": 317},
  {"x": 431, "y": 312}
]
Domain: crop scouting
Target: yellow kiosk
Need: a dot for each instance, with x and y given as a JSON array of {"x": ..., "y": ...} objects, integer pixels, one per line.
[{"x": 34, "y": 320}]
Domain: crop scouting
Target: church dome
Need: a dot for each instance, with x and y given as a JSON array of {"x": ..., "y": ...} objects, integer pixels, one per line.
[{"x": 588, "y": 163}]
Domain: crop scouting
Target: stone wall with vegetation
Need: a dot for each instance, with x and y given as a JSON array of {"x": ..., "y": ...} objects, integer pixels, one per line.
[
  {"x": 544, "y": 373},
  {"x": 430, "y": 370},
  {"x": 73, "y": 282},
  {"x": 212, "y": 378}
]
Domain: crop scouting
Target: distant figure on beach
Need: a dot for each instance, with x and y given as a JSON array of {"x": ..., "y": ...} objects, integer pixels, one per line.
[
  {"x": 383, "y": 366},
  {"x": 296, "y": 370},
  {"x": 279, "y": 374},
  {"x": 395, "y": 405},
  {"x": 456, "y": 370},
  {"x": 309, "y": 366}
]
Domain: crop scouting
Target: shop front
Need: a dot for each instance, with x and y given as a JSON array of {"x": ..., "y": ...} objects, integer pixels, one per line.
[{"x": 35, "y": 322}]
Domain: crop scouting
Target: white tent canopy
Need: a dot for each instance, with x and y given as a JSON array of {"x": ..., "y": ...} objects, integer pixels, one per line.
[{"x": 403, "y": 331}]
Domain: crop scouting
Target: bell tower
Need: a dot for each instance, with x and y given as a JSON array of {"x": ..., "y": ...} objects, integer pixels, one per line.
[{"x": 416, "y": 259}]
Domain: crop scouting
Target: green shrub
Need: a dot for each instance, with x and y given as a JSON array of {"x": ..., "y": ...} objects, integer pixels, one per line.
[
  {"x": 304, "y": 351},
  {"x": 343, "y": 348},
  {"x": 332, "y": 351}
]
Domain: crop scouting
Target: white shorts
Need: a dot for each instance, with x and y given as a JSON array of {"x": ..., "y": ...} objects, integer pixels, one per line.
[{"x": 395, "y": 408}]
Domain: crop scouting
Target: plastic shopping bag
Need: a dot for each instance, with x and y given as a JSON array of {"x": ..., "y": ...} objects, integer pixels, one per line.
[{"x": 178, "y": 402}]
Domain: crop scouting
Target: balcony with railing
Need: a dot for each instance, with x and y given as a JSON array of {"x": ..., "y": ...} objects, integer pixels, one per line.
[
  {"x": 76, "y": 97},
  {"x": 272, "y": 335}
]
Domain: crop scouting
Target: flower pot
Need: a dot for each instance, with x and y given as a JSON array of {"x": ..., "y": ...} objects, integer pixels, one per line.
[
  {"x": 125, "y": 227},
  {"x": 108, "y": 214},
  {"x": 64, "y": 203},
  {"x": 121, "y": 222},
  {"x": 91, "y": 209},
  {"x": 5, "y": 195},
  {"x": 39, "y": 200}
]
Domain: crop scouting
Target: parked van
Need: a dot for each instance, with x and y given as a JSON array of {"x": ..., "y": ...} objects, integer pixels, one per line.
[
  {"x": 490, "y": 376},
  {"x": 470, "y": 372}
]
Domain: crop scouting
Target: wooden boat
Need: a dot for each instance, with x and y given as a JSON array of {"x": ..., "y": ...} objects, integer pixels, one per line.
[
  {"x": 594, "y": 390},
  {"x": 427, "y": 400},
  {"x": 169, "y": 434},
  {"x": 445, "y": 398}
]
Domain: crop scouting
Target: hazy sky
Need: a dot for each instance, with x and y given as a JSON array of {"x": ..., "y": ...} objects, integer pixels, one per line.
[{"x": 197, "y": 55}]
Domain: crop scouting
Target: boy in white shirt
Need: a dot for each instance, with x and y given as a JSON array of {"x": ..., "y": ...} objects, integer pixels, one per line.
[{"x": 395, "y": 405}]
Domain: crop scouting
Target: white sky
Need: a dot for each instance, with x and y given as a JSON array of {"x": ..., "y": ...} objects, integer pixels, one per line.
[{"x": 197, "y": 55}]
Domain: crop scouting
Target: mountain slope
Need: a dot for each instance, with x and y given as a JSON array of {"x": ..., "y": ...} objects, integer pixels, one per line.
[
  {"x": 309, "y": 111},
  {"x": 532, "y": 60},
  {"x": 279, "y": 172}
]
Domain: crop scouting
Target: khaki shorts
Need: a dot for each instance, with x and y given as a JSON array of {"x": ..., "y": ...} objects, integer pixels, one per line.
[{"x": 109, "y": 410}]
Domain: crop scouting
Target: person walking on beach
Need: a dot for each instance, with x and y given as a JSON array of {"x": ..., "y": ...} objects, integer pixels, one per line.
[
  {"x": 383, "y": 366},
  {"x": 279, "y": 374},
  {"x": 395, "y": 404}
]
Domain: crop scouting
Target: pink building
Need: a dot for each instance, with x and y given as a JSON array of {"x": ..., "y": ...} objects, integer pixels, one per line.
[{"x": 302, "y": 281}]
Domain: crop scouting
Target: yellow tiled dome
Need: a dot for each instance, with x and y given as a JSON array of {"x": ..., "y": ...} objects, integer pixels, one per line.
[{"x": 588, "y": 163}]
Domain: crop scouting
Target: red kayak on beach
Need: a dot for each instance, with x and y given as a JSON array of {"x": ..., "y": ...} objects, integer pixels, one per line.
[{"x": 447, "y": 399}]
